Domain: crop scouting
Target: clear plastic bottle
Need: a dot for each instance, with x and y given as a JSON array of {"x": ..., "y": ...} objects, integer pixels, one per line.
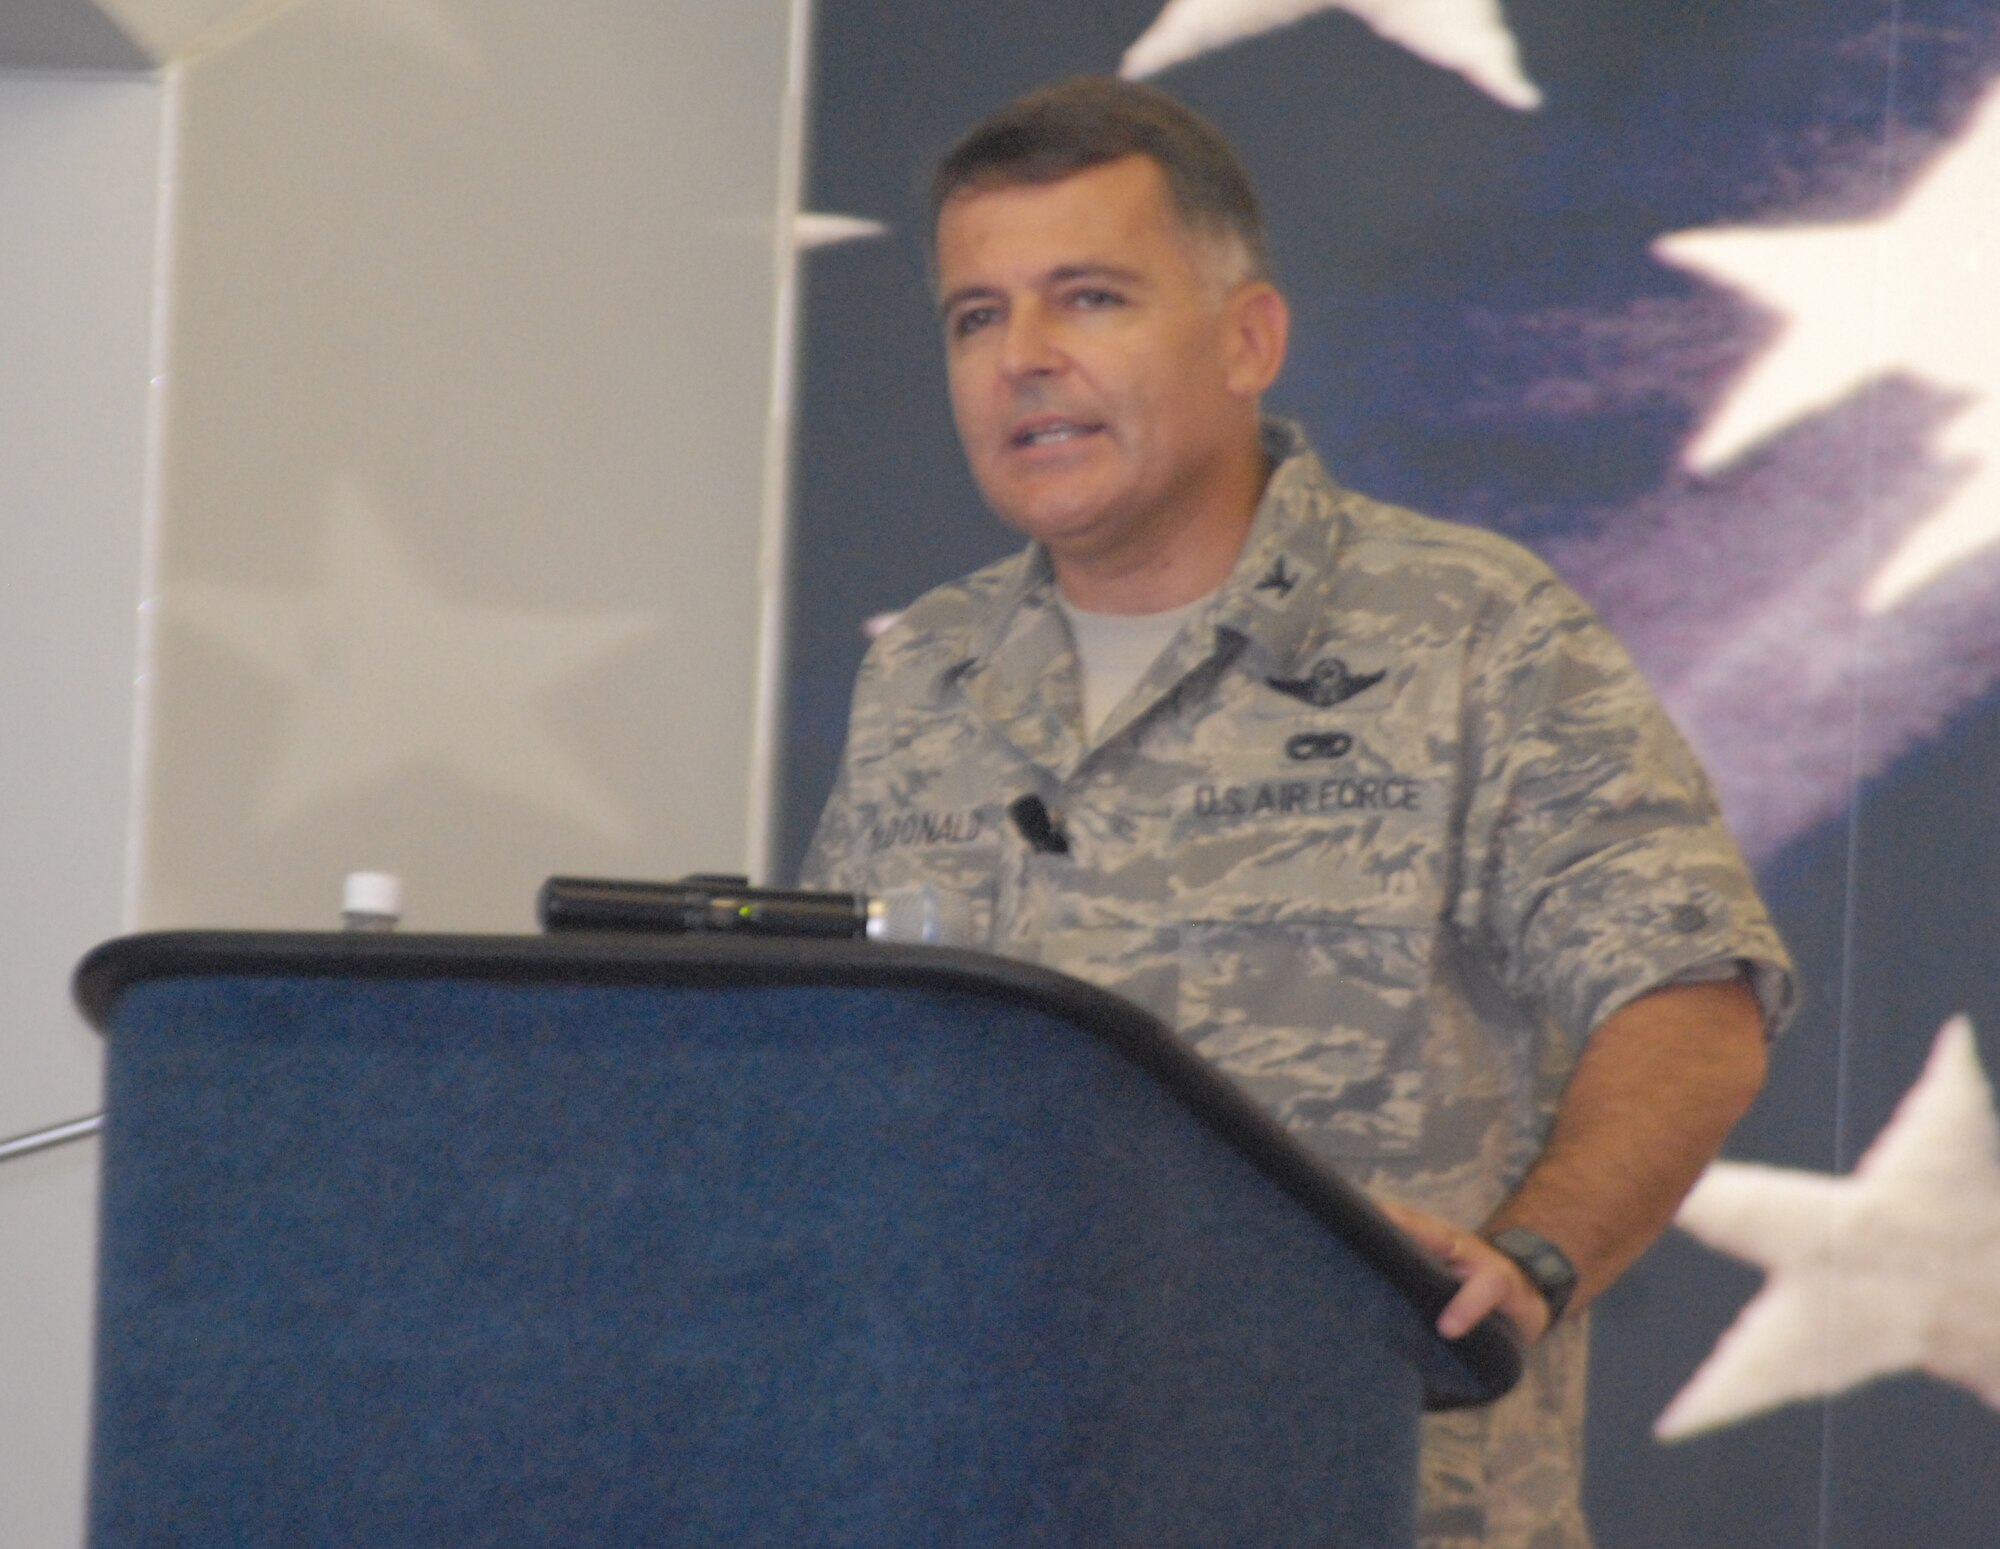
[{"x": 919, "y": 912}]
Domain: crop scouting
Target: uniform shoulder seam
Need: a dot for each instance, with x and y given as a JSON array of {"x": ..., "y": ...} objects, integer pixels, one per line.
[
  {"x": 951, "y": 611},
  {"x": 1505, "y": 559}
]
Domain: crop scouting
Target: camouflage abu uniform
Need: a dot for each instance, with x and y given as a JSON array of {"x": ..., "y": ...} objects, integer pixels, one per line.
[{"x": 1385, "y": 831}]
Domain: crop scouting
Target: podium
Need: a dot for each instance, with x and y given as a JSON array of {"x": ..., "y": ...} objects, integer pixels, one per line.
[{"x": 427, "y": 1241}]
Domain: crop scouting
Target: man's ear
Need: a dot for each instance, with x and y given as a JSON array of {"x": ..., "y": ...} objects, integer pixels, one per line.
[{"x": 1259, "y": 324}]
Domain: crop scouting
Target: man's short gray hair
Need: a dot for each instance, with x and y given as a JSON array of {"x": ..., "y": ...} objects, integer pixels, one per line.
[{"x": 1084, "y": 122}]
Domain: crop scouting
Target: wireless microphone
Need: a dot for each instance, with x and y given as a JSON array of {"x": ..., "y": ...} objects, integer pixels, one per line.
[
  {"x": 1038, "y": 826},
  {"x": 712, "y": 903}
]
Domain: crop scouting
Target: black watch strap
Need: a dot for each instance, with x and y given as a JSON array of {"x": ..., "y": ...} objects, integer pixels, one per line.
[{"x": 1547, "y": 1267}]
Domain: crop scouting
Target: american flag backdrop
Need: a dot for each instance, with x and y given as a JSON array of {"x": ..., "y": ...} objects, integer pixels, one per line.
[{"x": 1698, "y": 299}]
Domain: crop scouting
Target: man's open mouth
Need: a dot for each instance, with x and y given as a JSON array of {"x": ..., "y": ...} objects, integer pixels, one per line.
[{"x": 1052, "y": 432}]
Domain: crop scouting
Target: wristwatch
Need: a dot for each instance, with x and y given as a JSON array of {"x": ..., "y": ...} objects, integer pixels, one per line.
[{"x": 1547, "y": 1267}]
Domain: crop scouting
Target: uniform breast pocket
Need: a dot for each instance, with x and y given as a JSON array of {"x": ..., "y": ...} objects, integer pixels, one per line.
[
  {"x": 953, "y": 850},
  {"x": 1306, "y": 950}
]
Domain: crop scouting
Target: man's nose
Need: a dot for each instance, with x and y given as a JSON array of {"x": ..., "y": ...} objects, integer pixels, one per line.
[{"x": 1029, "y": 345}]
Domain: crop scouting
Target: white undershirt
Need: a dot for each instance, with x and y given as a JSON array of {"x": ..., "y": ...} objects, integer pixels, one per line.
[{"x": 1113, "y": 651}]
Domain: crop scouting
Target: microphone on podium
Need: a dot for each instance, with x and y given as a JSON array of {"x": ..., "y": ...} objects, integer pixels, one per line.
[{"x": 706, "y": 902}]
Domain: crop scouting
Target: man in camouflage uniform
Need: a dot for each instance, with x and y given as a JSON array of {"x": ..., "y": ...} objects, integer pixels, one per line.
[{"x": 1389, "y": 829}]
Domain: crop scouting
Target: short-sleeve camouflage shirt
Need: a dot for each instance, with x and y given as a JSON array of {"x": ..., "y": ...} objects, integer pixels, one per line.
[{"x": 1389, "y": 827}]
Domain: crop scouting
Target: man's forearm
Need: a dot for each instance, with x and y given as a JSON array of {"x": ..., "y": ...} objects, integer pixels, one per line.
[
  {"x": 1656, "y": 1091},
  {"x": 1658, "y": 1088}
]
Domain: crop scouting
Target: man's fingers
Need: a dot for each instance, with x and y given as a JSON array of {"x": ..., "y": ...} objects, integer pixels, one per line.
[
  {"x": 1484, "y": 1291},
  {"x": 1495, "y": 1283},
  {"x": 1491, "y": 1282}
]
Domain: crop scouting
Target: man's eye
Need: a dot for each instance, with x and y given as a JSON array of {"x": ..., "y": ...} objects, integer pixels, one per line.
[
  {"x": 969, "y": 320},
  {"x": 1091, "y": 298}
]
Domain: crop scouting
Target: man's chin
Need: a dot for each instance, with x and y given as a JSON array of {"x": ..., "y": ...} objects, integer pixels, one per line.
[
  {"x": 1061, "y": 531},
  {"x": 1049, "y": 510}
]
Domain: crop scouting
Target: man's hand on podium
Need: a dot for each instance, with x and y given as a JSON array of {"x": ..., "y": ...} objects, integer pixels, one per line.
[{"x": 1489, "y": 1281}]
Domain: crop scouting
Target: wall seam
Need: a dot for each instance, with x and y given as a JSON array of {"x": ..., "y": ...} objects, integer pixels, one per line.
[
  {"x": 152, "y": 518},
  {"x": 767, "y": 744}
]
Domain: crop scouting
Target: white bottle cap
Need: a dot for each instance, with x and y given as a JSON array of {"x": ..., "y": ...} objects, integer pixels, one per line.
[{"x": 372, "y": 892}]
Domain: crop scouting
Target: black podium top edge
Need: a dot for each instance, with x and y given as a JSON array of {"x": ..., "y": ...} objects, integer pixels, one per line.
[{"x": 1490, "y": 1354}]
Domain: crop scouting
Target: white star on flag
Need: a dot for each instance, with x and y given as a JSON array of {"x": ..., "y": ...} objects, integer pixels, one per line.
[
  {"x": 387, "y": 673},
  {"x": 1894, "y": 1268},
  {"x": 1916, "y": 291},
  {"x": 812, "y": 229},
  {"x": 1468, "y": 37}
]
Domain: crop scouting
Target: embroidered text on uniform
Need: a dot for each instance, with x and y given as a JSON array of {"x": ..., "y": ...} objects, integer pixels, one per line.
[
  {"x": 927, "y": 828},
  {"x": 1272, "y": 798}
]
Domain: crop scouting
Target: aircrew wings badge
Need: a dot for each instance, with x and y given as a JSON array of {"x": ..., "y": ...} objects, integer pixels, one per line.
[{"x": 1329, "y": 683}]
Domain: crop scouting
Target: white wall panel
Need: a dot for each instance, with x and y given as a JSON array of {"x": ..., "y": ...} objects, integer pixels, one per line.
[
  {"x": 471, "y": 366},
  {"x": 79, "y": 161}
]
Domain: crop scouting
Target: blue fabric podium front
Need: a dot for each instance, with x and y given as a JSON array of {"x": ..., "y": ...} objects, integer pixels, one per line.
[{"x": 452, "y": 1241}]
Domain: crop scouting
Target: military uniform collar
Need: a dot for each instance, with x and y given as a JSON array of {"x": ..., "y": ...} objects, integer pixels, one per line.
[
  {"x": 1276, "y": 595},
  {"x": 1019, "y": 669}
]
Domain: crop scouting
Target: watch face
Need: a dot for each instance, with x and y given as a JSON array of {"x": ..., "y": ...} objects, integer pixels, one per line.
[{"x": 1547, "y": 1267}]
